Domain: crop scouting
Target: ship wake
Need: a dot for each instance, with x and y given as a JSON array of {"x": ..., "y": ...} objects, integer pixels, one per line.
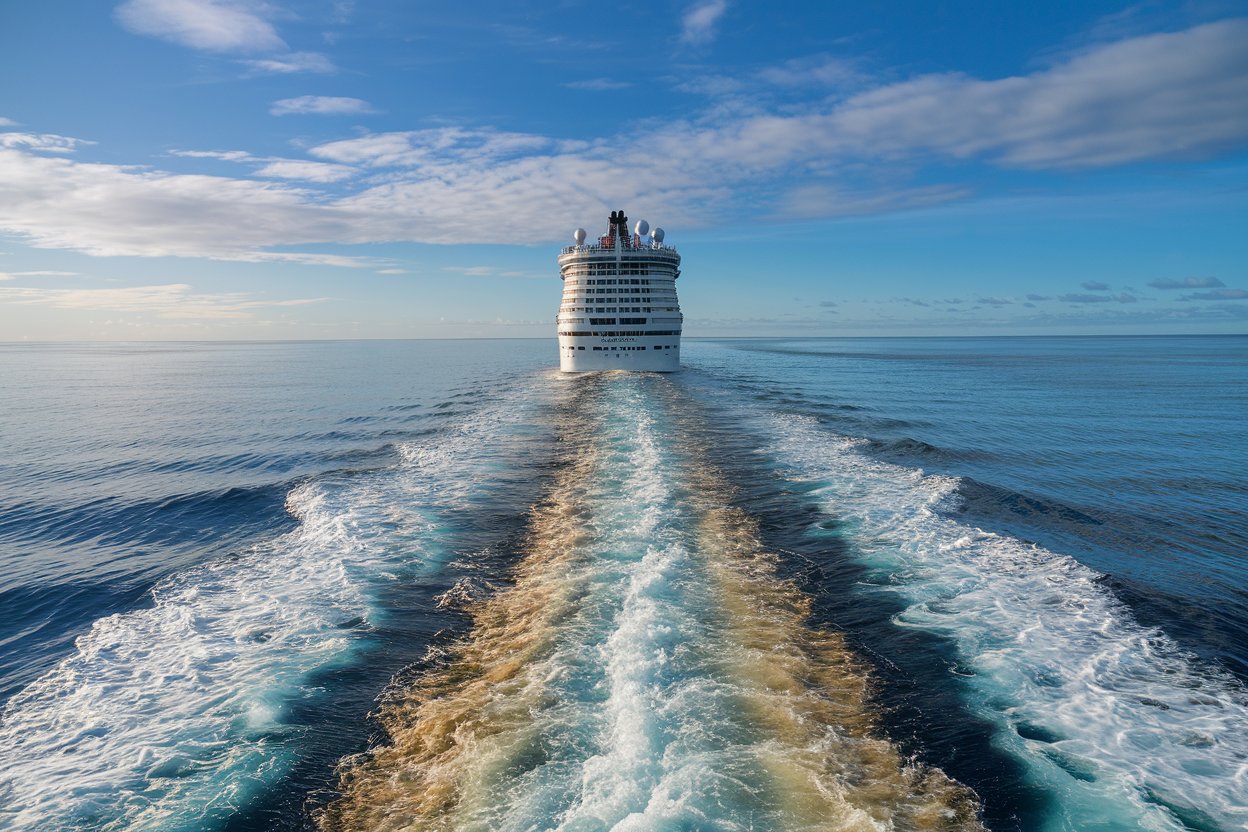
[{"x": 646, "y": 668}]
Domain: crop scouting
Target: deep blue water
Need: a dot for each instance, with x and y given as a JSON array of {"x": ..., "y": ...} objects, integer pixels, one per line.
[{"x": 214, "y": 558}]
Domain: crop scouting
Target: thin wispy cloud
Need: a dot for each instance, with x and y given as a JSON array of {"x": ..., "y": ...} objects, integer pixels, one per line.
[
  {"x": 42, "y": 142},
  {"x": 276, "y": 167},
  {"x": 1076, "y": 297},
  {"x": 700, "y": 24},
  {"x": 210, "y": 25},
  {"x": 1188, "y": 283},
  {"x": 320, "y": 105},
  {"x": 166, "y": 301},
  {"x": 598, "y": 85},
  {"x": 39, "y": 273},
  {"x": 1218, "y": 294},
  {"x": 1095, "y": 286},
  {"x": 7, "y": 122},
  {"x": 293, "y": 62},
  {"x": 814, "y": 70}
]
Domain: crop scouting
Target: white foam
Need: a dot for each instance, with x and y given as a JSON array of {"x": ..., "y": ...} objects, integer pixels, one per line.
[
  {"x": 172, "y": 717},
  {"x": 1138, "y": 721},
  {"x": 641, "y": 726}
]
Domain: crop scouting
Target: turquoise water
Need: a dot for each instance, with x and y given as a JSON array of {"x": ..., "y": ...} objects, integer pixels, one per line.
[{"x": 215, "y": 558}]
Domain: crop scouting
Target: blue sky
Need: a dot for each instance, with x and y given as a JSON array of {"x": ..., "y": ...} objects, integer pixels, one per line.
[{"x": 248, "y": 169}]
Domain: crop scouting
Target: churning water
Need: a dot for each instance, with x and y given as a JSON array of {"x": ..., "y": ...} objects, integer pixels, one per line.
[{"x": 804, "y": 584}]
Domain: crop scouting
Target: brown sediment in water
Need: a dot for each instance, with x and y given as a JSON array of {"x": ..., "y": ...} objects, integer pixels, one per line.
[
  {"x": 473, "y": 711},
  {"x": 799, "y": 693},
  {"x": 807, "y": 694}
]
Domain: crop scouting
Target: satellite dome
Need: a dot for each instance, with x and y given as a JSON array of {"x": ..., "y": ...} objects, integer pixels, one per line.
[
  {"x": 579, "y": 236},
  {"x": 658, "y": 235},
  {"x": 643, "y": 228}
]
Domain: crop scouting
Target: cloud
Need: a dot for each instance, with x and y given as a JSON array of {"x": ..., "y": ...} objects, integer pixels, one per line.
[
  {"x": 1217, "y": 294},
  {"x": 110, "y": 210},
  {"x": 699, "y": 24},
  {"x": 598, "y": 84},
  {"x": 44, "y": 142},
  {"x": 813, "y": 70},
  {"x": 292, "y": 63},
  {"x": 42, "y": 273},
  {"x": 306, "y": 171},
  {"x": 1082, "y": 298},
  {"x": 1170, "y": 94},
  {"x": 438, "y": 146},
  {"x": 710, "y": 85},
  {"x": 1188, "y": 283},
  {"x": 828, "y": 303},
  {"x": 169, "y": 301},
  {"x": 1094, "y": 286},
  {"x": 275, "y": 167},
  {"x": 994, "y": 301},
  {"x": 321, "y": 105},
  {"x": 1039, "y": 297},
  {"x": 211, "y": 25},
  {"x": 7, "y": 122},
  {"x": 810, "y": 201}
]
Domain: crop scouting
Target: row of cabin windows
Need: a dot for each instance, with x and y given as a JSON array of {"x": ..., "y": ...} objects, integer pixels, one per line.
[
  {"x": 630, "y": 282},
  {"x": 610, "y": 309},
  {"x": 609, "y": 321},
  {"x": 627, "y": 349},
  {"x": 650, "y": 296},
  {"x": 624, "y": 334},
  {"x": 638, "y": 268},
  {"x": 629, "y": 291}
]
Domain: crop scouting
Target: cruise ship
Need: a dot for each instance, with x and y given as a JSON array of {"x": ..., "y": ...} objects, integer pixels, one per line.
[{"x": 619, "y": 308}]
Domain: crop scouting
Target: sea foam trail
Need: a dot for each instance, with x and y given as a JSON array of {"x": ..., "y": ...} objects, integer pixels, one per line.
[
  {"x": 173, "y": 717},
  {"x": 1113, "y": 719},
  {"x": 647, "y": 669}
]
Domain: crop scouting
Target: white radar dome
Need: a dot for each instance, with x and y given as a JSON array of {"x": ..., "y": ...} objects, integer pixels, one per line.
[
  {"x": 643, "y": 228},
  {"x": 658, "y": 235},
  {"x": 579, "y": 236}
]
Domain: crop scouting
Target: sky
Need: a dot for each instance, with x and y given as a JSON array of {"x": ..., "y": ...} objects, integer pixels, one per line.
[{"x": 242, "y": 169}]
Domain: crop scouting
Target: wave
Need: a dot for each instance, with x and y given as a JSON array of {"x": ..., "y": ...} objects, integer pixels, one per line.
[
  {"x": 646, "y": 668},
  {"x": 177, "y": 716},
  {"x": 1120, "y": 724}
]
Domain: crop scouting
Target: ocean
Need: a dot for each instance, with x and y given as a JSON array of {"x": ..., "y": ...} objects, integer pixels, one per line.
[{"x": 893, "y": 583}]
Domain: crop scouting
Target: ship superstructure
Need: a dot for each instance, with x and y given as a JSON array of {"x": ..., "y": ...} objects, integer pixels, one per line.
[{"x": 619, "y": 308}]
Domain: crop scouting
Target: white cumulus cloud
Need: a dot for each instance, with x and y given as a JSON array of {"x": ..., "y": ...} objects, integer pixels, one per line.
[{"x": 212, "y": 25}]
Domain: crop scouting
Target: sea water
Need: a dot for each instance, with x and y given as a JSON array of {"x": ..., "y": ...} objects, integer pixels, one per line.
[{"x": 802, "y": 584}]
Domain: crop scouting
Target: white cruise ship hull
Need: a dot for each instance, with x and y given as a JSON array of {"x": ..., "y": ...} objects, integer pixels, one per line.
[
  {"x": 619, "y": 309},
  {"x": 645, "y": 353}
]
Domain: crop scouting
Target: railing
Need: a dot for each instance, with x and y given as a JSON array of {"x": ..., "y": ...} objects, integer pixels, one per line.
[{"x": 591, "y": 248}]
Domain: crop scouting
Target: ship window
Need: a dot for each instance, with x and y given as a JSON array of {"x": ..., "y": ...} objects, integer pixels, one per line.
[{"x": 580, "y": 348}]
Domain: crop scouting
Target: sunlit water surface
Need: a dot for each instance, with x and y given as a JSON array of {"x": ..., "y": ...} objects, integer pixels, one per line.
[{"x": 803, "y": 584}]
